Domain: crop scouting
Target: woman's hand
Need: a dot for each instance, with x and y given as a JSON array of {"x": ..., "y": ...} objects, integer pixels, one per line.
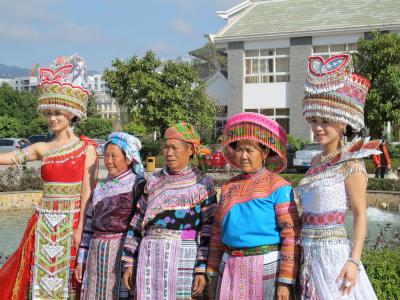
[
  {"x": 129, "y": 278},
  {"x": 283, "y": 291},
  {"x": 77, "y": 238},
  {"x": 347, "y": 277},
  {"x": 198, "y": 285},
  {"x": 80, "y": 269}
]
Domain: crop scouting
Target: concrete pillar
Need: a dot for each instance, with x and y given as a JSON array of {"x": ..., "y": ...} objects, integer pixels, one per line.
[
  {"x": 300, "y": 49},
  {"x": 235, "y": 77}
]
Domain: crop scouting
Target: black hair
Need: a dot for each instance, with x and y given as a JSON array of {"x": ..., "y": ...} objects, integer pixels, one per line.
[
  {"x": 350, "y": 133},
  {"x": 233, "y": 145}
]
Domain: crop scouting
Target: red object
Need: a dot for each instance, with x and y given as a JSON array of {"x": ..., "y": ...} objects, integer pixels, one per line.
[
  {"x": 216, "y": 160},
  {"x": 376, "y": 158},
  {"x": 16, "y": 275}
]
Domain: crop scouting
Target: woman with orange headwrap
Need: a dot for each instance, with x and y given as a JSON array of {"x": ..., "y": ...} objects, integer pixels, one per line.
[{"x": 169, "y": 235}]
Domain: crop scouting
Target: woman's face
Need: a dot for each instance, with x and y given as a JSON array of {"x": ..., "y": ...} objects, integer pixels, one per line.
[
  {"x": 58, "y": 119},
  {"x": 249, "y": 156},
  {"x": 115, "y": 160},
  {"x": 325, "y": 131},
  {"x": 177, "y": 154}
]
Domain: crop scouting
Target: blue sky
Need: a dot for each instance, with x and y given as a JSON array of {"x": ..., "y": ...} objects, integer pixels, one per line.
[{"x": 36, "y": 31}]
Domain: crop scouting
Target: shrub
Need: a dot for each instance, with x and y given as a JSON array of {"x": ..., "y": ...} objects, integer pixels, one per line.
[
  {"x": 9, "y": 179},
  {"x": 37, "y": 126},
  {"x": 294, "y": 179},
  {"x": 96, "y": 128},
  {"x": 135, "y": 129},
  {"x": 9, "y": 127},
  {"x": 30, "y": 180},
  {"x": 383, "y": 269},
  {"x": 379, "y": 184},
  {"x": 14, "y": 179},
  {"x": 297, "y": 142}
]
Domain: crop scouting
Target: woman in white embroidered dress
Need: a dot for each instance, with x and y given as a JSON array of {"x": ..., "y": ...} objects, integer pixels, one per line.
[{"x": 331, "y": 263}]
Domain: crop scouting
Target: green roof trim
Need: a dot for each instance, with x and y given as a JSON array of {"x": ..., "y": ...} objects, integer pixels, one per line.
[{"x": 280, "y": 17}]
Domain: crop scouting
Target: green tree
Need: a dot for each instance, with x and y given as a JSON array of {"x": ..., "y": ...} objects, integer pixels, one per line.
[
  {"x": 9, "y": 127},
  {"x": 91, "y": 108},
  {"x": 38, "y": 125},
  {"x": 19, "y": 105},
  {"x": 160, "y": 94},
  {"x": 378, "y": 59},
  {"x": 135, "y": 128},
  {"x": 97, "y": 128}
]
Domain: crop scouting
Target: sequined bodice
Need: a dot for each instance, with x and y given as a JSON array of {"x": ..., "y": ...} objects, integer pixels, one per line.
[
  {"x": 64, "y": 164},
  {"x": 324, "y": 198},
  {"x": 324, "y": 193}
]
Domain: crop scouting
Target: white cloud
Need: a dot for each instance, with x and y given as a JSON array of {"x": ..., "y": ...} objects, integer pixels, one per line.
[
  {"x": 71, "y": 32},
  {"x": 182, "y": 27},
  {"x": 29, "y": 10},
  {"x": 34, "y": 20},
  {"x": 20, "y": 33}
]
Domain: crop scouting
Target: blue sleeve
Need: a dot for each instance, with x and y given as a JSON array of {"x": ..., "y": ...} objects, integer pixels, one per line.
[{"x": 283, "y": 194}]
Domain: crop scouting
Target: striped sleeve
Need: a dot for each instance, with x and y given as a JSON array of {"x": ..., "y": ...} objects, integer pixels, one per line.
[
  {"x": 86, "y": 236},
  {"x": 289, "y": 226},
  {"x": 134, "y": 235},
  {"x": 207, "y": 219},
  {"x": 216, "y": 246}
]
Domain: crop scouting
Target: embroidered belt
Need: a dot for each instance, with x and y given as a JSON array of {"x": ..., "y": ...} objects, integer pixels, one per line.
[
  {"x": 324, "y": 219},
  {"x": 335, "y": 233},
  {"x": 160, "y": 233},
  {"x": 107, "y": 235},
  {"x": 60, "y": 197},
  {"x": 259, "y": 250}
]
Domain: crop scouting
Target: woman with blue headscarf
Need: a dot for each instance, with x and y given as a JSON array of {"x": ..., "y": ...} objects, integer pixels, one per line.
[{"x": 109, "y": 213}]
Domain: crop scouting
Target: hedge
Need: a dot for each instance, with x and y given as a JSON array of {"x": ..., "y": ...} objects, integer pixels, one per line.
[
  {"x": 383, "y": 269},
  {"x": 13, "y": 179}
]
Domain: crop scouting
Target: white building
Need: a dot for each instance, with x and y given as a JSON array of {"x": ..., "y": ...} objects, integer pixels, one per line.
[
  {"x": 268, "y": 42},
  {"x": 106, "y": 105},
  {"x": 26, "y": 83},
  {"x": 6, "y": 80},
  {"x": 217, "y": 89}
]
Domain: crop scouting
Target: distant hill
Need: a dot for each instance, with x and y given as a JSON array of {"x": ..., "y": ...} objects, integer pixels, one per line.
[{"x": 11, "y": 72}]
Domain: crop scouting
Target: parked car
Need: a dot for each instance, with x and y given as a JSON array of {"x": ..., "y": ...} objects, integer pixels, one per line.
[
  {"x": 36, "y": 138},
  {"x": 303, "y": 157},
  {"x": 216, "y": 160},
  {"x": 100, "y": 144},
  {"x": 12, "y": 144}
]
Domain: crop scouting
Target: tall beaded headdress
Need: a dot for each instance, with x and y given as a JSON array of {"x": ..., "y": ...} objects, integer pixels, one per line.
[
  {"x": 61, "y": 86},
  {"x": 334, "y": 92},
  {"x": 259, "y": 128}
]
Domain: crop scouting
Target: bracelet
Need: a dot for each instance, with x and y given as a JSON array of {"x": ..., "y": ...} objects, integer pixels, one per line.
[
  {"x": 357, "y": 263},
  {"x": 20, "y": 157}
]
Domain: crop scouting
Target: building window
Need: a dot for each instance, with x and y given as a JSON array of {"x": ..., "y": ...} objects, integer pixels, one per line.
[
  {"x": 218, "y": 128},
  {"x": 280, "y": 115},
  {"x": 267, "y": 65},
  {"x": 222, "y": 111},
  {"x": 327, "y": 51}
]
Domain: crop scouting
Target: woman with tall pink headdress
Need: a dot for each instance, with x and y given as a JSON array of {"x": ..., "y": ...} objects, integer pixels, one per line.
[
  {"x": 337, "y": 180},
  {"x": 253, "y": 252},
  {"x": 42, "y": 266}
]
